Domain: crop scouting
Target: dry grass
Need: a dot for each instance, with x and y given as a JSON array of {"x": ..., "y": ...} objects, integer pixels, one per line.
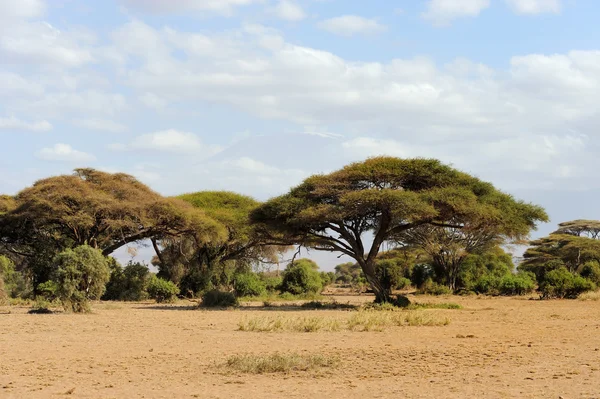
[
  {"x": 364, "y": 320},
  {"x": 279, "y": 363},
  {"x": 289, "y": 324},
  {"x": 589, "y": 296},
  {"x": 379, "y": 321}
]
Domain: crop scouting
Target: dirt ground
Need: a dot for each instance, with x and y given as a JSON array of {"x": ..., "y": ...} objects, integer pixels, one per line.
[{"x": 519, "y": 349}]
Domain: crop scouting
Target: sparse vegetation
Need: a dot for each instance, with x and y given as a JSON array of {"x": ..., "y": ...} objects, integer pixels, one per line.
[
  {"x": 363, "y": 320},
  {"x": 280, "y": 363}
]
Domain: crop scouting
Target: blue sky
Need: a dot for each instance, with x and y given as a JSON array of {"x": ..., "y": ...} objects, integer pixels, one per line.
[{"x": 255, "y": 95}]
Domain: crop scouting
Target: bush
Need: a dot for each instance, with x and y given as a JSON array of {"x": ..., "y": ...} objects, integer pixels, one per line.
[
  {"x": 13, "y": 281},
  {"x": 327, "y": 278},
  {"x": 81, "y": 274},
  {"x": 591, "y": 271},
  {"x": 389, "y": 273},
  {"x": 249, "y": 284},
  {"x": 431, "y": 288},
  {"x": 162, "y": 290},
  {"x": 48, "y": 290},
  {"x": 301, "y": 277},
  {"x": 421, "y": 273},
  {"x": 219, "y": 299},
  {"x": 403, "y": 283},
  {"x": 516, "y": 284},
  {"x": 272, "y": 283},
  {"x": 127, "y": 284},
  {"x": 561, "y": 283}
]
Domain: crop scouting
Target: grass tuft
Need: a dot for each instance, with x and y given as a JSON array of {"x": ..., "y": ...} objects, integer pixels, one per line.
[
  {"x": 289, "y": 324},
  {"x": 279, "y": 363},
  {"x": 589, "y": 296}
]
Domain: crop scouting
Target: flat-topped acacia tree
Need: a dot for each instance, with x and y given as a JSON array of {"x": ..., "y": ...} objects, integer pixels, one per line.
[{"x": 386, "y": 196}]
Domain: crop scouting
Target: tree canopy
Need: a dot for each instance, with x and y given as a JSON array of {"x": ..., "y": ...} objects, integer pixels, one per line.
[
  {"x": 387, "y": 197},
  {"x": 101, "y": 209},
  {"x": 580, "y": 228},
  {"x": 184, "y": 258}
]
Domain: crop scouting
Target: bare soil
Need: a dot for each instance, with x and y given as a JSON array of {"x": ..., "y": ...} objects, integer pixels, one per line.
[{"x": 493, "y": 348}]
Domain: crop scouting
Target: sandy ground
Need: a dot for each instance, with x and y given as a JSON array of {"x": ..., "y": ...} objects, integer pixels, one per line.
[{"x": 520, "y": 349}]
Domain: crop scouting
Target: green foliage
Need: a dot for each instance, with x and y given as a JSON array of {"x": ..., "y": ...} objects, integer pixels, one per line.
[
  {"x": 327, "y": 278},
  {"x": 517, "y": 284},
  {"x": 421, "y": 273},
  {"x": 561, "y": 283},
  {"x": 48, "y": 290},
  {"x": 301, "y": 277},
  {"x": 272, "y": 281},
  {"x": 591, "y": 271},
  {"x": 127, "y": 284},
  {"x": 162, "y": 290},
  {"x": 348, "y": 273},
  {"x": 489, "y": 266},
  {"x": 389, "y": 273},
  {"x": 15, "y": 285},
  {"x": 429, "y": 287},
  {"x": 219, "y": 299},
  {"x": 249, "y": 284},
  {"x": 81, "y": 275},
  {"x": 571, "y": 251},
  {"x": 385, "y": 196}
]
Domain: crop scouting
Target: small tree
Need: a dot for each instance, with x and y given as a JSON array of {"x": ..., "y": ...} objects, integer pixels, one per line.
[
  {"x": 249, "y": 284},
  {"x": 302, "y": 277},
  {"x": 81, "y": 275},
  {"x": 162, "y": 290}
]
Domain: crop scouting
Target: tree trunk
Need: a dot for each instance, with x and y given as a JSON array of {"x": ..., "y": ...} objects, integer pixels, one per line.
[{"x": 382, "y": 294}]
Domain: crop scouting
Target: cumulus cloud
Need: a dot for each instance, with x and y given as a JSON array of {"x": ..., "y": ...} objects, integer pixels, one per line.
[
  {"x": 64, "y": 153},
  {"x": 169, "y": 141},
  {"x": 350, "y": 25},
  {"x": 105, "y": 125},
  {"x": 224, "y": 7},
  {"x": 442, "y": 12},
  {"x": 21, "y": 9},
  {"x": 15, "y": 124},
  {"x": 535, "y": 6},
  {"x": 289, "y": 11}
]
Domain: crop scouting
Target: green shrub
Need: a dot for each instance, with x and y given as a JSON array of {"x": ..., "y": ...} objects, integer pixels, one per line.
[
  {"x": 301, "y": 277},
  {"x": 273, "y": 284},
  {"x": 431, "y": 288},
  {"x": 516, "y": 284},
  {"x": 81, "y": 274},
  {"x": 127, "y": 284},
  {"x": 488, "y": 284},
  {"x": 48, "y": 290},
  {"x": 327, "y": 278},
  {"x": 591, "y": 271},
  {"x": 421, "y": 274},
  {"x": 389, "y": 273},
  {"x": 219, "y": 299},
  {"x": 15, "y": 285},
  {"x": 561, "y": 283},
  {"x": 162, "y": 290},
  {"x": 249, "y": 284},
  {"x": 403, "y": 283}
]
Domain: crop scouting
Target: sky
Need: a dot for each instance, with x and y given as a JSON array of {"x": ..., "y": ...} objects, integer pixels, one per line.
[{"x": 253, "y": 96}]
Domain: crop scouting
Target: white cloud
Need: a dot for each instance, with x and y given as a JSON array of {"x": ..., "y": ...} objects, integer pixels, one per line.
[
  {"x": 535, "y": 6},
  {"x": 224, "y": 7},
  {"x": 442, "y": 12},
  {"x": 169, "y": 141},
  {"x": 100, "y": 124},
  {"x": 21, "y": 9},
  {"x": 14, "y": 124},
  {"x": 350, "y": 25},
  {"x": 64, "y": 153},
  {"x": 42, "y": 43},
  {"x": 151, "y": 100},
  {"x": 289, "y": 11}
]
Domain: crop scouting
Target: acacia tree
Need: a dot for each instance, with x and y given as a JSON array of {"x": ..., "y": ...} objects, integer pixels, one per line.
[
  {"x": 386, "y": 197},
  {"x": 184, "y": 257},
  {"x": 556, "y": 250},
  {"x": 580, "y": 228},
  {"x": 89, "y": 207}
]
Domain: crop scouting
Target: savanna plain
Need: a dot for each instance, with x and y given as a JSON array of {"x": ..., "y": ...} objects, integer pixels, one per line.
[{"x": 492, "y": 347}]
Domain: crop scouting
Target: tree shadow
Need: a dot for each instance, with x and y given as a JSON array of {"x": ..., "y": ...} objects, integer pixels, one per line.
[{"x": 309, "y": 306}]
